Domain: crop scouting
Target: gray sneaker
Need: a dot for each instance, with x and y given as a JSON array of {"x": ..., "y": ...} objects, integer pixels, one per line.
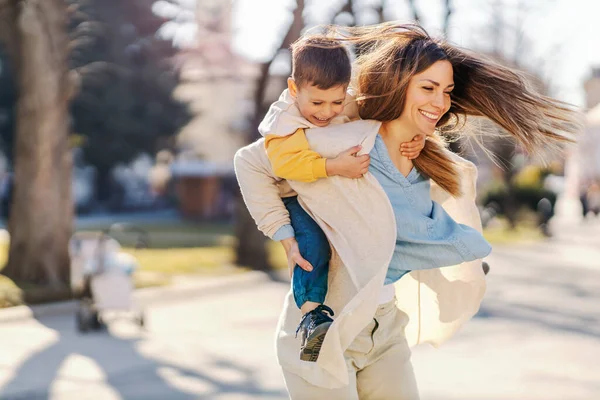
[{"x": 313, "y": 327}]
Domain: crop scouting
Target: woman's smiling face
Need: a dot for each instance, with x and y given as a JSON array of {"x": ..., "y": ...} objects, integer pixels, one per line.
[{"x": 428, "y": 98}]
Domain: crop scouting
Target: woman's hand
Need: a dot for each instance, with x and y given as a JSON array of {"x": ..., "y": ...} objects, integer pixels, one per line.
[
  {"x": 412, "y": 149},
  {"x": 348, "y": 164},
  {"x": 294, "y": 257}
]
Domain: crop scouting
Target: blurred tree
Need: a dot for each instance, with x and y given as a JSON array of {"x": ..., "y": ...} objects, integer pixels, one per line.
[
  {"x": 447, "y": 15},
  {"x": 8, "y": 103},
  {"x": 125, "y": 105},
  {"x": 250, "y": 250},
  {"x": 414, "y": 10},
  {"x": 509, "y": 46},
  {"x": 35, "y": 36}
]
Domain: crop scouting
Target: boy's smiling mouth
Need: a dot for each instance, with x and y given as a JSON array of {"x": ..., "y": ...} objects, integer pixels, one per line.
[{"x": 322, "y": 120}]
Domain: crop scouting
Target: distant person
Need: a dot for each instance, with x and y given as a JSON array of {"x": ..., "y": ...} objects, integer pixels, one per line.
[
  {"x": 593, "y": 198},
  {"x": 6, "y": 192},
  {"x": 583, "y": 199}
]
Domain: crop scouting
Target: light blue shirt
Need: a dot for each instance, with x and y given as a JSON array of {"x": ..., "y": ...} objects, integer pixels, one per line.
[{"x": 426, "y": 236}]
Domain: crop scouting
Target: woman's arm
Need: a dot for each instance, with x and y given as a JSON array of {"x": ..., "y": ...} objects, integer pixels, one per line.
[
  {"x": 261, "y": 192},
  {"x": 260, "y": 189}
]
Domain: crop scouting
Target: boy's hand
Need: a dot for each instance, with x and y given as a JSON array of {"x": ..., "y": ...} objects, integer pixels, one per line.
[
  {"x": 293, "y": 256},
  {"x": 412, "y": 149},
  {"x": 348, "y": 164}
]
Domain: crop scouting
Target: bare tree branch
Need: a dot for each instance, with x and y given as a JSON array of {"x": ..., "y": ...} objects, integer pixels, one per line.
[
  {"x": 250, "y": 250},
  {"x": 347, "y": 7},
  {"x": 415, "y": 12},
  {"x": 293, "y": 33},
  {"x": 8, "y": 36},
  {"x": 447, "y": 16}
]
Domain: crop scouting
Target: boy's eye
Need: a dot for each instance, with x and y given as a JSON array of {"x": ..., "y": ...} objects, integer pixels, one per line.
[
  {"x": 317, "y": 103},
  {"x": 337, "y": 103}
]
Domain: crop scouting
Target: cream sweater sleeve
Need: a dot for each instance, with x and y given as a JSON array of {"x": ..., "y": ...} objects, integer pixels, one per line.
[{"x": 260, "y": 188}]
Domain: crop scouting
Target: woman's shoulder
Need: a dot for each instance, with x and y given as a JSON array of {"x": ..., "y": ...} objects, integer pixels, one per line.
[{"x": 331, "y": 140}]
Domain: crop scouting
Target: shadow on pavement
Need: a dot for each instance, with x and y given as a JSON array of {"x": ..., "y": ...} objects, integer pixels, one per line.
[
  {"x": 553, "y": 294},
  {"x": 128, "y": 373}
]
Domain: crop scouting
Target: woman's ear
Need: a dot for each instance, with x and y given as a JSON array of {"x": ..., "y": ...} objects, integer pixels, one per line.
[{"x": 292, "y": 87}]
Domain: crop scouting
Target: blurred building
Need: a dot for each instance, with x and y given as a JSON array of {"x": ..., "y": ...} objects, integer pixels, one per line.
[
  {"x": 584, "y": 165},
  {"x": 589, "y": 144},
  {"x": 592, "y": 89},
  {"x": 218, "y": 85}
]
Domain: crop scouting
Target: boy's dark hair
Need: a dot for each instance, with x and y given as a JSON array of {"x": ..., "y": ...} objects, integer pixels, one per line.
[{"x": 320, "y": 61}]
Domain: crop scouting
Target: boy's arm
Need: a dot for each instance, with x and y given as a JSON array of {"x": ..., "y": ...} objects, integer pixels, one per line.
[{"x": 292, "y": 159}]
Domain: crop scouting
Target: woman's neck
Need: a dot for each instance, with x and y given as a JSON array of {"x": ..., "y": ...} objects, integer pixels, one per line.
[
  {"x": 394, "y": 133},
  {"x": 397, "y": 131}
]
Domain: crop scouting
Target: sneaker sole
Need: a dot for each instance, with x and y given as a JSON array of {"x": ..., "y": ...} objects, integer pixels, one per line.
[{"x": 313, "y": 344}]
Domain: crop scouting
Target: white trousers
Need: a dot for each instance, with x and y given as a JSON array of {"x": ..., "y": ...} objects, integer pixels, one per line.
[{"x": 378, "y": 362}]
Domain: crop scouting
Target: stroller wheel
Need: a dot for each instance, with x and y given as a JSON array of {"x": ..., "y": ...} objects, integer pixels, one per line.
[
  {"x": 141, "y": 319},
  {"x": 486, "y": 267},
  {"x": 96, "y": 321},
  {"x": 82, "y": 321}
]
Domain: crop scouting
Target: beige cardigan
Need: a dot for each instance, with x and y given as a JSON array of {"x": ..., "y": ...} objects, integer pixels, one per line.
[{"x": 358, "y": 219}]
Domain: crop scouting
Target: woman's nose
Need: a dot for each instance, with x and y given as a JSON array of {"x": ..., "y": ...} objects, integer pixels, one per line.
[{"x": 438, "y": 100}]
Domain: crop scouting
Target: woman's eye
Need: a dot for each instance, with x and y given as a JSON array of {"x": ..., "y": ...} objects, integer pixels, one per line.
[
  {"x": 429, "y": 89},
  {"x": 448, "y": 93}
]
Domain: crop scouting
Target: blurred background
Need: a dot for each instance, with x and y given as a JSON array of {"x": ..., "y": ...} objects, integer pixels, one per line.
[{"x": 122, "y": 118}]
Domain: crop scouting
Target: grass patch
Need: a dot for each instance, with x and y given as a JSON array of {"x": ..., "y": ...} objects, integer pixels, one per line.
[
  {"x": 499, "y": 232},
  {"x": 182, "y": 248},
  {"x": 171, "y": 234},
  {"x": 276, "y": 255},
  {"x": 178, "y": 261},
  {"x": 158, "y": 266}
]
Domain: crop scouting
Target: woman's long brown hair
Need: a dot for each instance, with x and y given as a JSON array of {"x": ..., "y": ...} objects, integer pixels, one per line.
[{"x": 391, "y": 54}]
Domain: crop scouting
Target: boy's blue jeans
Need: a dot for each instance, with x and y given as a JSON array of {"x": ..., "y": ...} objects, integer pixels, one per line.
[{"x": 314, "y": 247}]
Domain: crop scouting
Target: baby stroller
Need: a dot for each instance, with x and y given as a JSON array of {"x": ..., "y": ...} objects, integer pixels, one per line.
[{"x": 101, "y": 276}]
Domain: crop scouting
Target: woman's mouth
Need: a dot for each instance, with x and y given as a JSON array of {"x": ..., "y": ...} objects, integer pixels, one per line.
[{"x": 432, "y": 117}]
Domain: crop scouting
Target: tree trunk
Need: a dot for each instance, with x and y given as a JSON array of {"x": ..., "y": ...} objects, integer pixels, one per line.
[
  {"x": 250, "y": 248},
  {"x": 40, "y": 223},
  {"x": 505, "y": 149}
]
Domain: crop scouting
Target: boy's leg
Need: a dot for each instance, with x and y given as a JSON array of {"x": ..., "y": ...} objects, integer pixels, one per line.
[
  {"x": 310, "y": 288},
  {"x": 314, "y": 247}
]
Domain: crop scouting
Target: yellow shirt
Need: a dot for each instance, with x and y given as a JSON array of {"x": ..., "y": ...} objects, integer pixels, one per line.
[{"x": 292, "y": 158}]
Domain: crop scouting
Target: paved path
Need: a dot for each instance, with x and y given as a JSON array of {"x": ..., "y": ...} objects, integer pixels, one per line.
[{"x": 537, "y": 337}]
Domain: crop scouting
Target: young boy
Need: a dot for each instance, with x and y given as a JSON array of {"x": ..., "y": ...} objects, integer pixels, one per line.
[{"x": 316, "y": 97}]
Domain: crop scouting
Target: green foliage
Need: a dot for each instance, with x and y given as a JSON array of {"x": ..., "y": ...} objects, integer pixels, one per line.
[
  {"x": 125, "y": 104},
  {"x": 527, "y": 186}
]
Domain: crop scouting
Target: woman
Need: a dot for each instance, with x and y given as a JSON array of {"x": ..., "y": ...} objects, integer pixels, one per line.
[{"x": 407, "y": 84}]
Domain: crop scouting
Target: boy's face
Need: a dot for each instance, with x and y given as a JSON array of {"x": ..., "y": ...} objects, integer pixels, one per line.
[{"x": 318, "y": 106}]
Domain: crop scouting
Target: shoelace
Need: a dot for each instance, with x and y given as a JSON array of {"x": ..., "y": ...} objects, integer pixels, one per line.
[{"x": 318, "y": 312}]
